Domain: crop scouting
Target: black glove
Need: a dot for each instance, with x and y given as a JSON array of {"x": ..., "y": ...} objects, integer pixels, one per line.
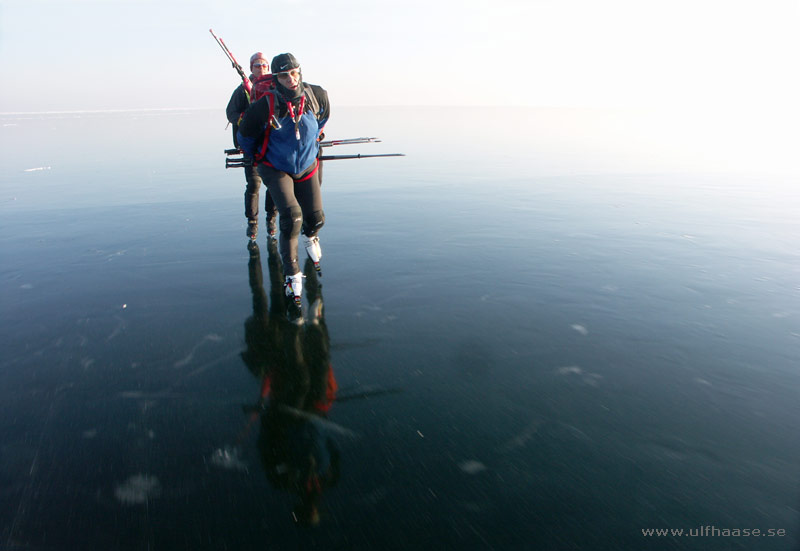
[{"x": 247, "y": 160}]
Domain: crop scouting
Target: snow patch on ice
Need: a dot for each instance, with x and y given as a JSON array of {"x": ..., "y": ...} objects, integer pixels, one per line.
[
  {"x": 138, "y": 489},
  {"x": 580, "y": 329},
  {"x": 591, "y": 379},
  {"x": 228, "y": 458},
  {"x": 471, "y": 466},
  {"x": 569, "y": 370},
  {"x": 521, "y": 439},
  {"x": 211, "y": 337}
]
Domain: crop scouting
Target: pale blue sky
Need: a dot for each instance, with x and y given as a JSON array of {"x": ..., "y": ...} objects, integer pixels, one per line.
[{"x": 114, "y": 54}]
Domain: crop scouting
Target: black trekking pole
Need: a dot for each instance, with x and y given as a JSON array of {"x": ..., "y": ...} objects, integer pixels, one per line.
[
  {"x": 238, "y": 162},
  {"x": 327, "y": 143},
  {"x": 358, "y": 156}
]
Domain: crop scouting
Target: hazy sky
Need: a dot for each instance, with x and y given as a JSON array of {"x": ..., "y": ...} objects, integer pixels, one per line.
[{"x": 114, "y": 54}]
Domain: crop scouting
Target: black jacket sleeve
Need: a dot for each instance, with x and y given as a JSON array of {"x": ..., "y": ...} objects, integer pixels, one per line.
[{"x": 237, "y": 105}]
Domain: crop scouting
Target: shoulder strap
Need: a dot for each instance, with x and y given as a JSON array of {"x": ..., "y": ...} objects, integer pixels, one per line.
[
  {"x": 262, "y": 151},
  {"x": 312, "y": 98}
]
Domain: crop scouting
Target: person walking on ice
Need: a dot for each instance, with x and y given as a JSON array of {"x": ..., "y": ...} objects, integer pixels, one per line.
[
  {"x": 259, "y": 68},
  {"x": 280, "y": 134}
]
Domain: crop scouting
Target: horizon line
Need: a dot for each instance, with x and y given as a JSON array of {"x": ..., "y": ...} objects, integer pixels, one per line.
[{"x": 165, "y": 109}]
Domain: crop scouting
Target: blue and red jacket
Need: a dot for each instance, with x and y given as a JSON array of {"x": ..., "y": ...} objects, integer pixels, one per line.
[{"x": 284, "y": 134}]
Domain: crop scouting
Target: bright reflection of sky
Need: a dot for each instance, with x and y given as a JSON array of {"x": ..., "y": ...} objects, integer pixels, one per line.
[{"x": 718, "y": 74}]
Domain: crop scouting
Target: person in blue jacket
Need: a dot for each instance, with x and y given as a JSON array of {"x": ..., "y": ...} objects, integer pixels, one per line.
[{"x": 280, "y": 134}]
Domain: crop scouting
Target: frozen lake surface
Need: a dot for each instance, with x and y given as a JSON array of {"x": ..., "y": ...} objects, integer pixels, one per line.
[{"x": 547, "y": 330}]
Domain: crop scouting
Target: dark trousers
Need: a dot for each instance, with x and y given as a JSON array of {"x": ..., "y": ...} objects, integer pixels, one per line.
[
  {"x": 251, "y": 196},
  {"x": 299, "y": 205}
]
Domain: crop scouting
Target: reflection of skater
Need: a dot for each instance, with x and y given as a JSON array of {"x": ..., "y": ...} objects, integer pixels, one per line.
[
  {"x": 298, "y": 388},
  {"x": 262, "y": 337}
]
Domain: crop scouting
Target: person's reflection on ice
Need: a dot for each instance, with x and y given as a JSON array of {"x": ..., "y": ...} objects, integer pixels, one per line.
[{"x": 292, "y": 360}]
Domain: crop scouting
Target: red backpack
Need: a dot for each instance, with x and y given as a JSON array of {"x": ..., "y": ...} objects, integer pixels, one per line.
[{"x": 260, "y": 87}]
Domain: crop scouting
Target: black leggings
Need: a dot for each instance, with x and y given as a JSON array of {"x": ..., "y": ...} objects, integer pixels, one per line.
[
  {"x": 251, "y": 196},
  {"x": 299, "y": 205}
]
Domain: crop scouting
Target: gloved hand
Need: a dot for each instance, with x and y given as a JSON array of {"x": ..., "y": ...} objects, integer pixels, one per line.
[{"x": 247, "y": 160}]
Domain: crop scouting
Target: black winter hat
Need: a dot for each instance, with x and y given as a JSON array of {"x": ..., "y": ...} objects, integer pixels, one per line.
[{"x": 284, "y": 62}]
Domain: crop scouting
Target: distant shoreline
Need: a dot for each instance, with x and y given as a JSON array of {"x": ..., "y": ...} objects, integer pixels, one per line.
[
  {"x": 107, "y": 111},
  {"x": 342, "y": 106}
]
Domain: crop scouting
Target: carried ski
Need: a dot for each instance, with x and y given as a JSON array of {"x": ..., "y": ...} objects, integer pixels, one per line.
[
  {"x": 329, "y": 143},
  {"x": 235, "y": 64}
]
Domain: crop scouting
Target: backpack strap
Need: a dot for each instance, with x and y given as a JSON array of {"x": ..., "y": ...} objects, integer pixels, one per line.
[
  {"x": 262, "y": 151},
  {"x": 313, "y": 101}
]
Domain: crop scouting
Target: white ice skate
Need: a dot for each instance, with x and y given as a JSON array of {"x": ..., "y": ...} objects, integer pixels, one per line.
[
  {"x": 314, "y": 251},
  {"x": 293, "y": 287}
]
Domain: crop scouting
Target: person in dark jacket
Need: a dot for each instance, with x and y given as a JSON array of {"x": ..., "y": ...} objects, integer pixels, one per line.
[
  {"x": 280, "y": 133},
  {"x": 237, "y": 105}
]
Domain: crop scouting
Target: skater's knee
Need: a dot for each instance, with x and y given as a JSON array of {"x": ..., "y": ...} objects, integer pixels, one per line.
[
  {"x": 291, "y": 219},
  {"x": 313, "y": 223},
  {"x": 252, "y": 187},
  {"x": 253, "y": 179}
]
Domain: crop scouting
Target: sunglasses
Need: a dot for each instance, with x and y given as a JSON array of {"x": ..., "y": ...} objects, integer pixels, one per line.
[
  {"x": 259, "y": 65},
  {"x": 287, "y": 74}
]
